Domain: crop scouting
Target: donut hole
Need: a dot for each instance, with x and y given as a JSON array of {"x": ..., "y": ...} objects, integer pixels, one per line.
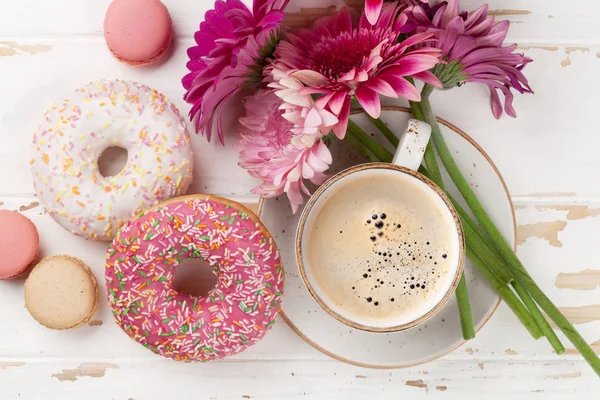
[
  {"x": 195, "y": 277},
  {"x": 112, "y": 161}
]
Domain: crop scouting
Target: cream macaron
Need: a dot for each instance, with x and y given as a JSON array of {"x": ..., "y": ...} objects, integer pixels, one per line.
[{"x": 61, "y": 292}]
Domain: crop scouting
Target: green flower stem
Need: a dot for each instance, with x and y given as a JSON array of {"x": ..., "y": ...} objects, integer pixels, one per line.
[
  {"x": 379, "y": 151},
  {"x": 513, "y": 262},
  {"x": 464, "y": 309},
  {"x": 483, "y": 251},
  {"x": 491, "y": 257},
  {"x": 480, "y": 245},
  {"x": 497, "y": 264},
  {"x": 511, "y": 300},
  {"x": 462, "y": 293},
  {"x": 387, "y": 132},
  {"x": 540, "y": 320},
  {"x": 362, "y": 150}
]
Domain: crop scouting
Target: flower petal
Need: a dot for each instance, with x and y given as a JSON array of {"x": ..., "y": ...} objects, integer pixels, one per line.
[
  {"x": 450, "y": 12},
  {"x": 428, "y": 77},
  {"x": 495, "y": 102},
  {"x": 372, "y": 10},
  {"x": 337, "y": 102},
  {"x": 402, "y": 87},
  {"x": 328, "y": 118},
  {"x": 410, "y": 64},
  {"x": 309, "y": 77},
  {"x": 477, "y": 16},
  {"x": 313, "y": 118},
  {"x": 340, "y": 128},
  {"x": 369, "y": 100},
  {"x": 382, "y": 87}
]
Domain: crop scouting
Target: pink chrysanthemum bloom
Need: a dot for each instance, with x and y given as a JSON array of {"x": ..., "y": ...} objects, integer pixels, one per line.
[
  {"x": 340, "y": 58},
  {"x": 282, "y": 143},
  {"x": 471, "y": 45},
  {"x": 231, "y": 47}
]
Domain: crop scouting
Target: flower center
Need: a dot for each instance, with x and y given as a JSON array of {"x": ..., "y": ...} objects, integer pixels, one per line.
[{"x": 334, "y": 56}]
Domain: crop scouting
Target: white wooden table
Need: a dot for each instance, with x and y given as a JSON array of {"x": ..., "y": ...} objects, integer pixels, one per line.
[{"x": 548, "y": 156}]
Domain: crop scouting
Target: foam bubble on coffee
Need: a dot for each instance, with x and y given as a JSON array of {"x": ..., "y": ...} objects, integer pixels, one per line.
[{"x": 381, "y": 251}]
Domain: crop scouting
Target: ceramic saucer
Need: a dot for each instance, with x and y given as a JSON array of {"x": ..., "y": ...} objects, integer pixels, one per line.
[{"x": 440, "y": 334}]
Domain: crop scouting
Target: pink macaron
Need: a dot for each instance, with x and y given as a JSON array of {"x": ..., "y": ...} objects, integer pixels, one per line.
[
  {"x": 137, "y": 32},
  {"x": 19, "y": 244}
]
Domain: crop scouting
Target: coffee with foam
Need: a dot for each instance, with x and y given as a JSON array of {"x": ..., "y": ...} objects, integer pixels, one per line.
[{"x": 380, "y": 248}]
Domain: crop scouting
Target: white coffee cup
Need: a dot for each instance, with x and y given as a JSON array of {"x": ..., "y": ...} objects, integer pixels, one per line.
[{"x": 391, "y": 270}]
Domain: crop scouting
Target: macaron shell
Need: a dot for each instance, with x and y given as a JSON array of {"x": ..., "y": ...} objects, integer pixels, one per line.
[
  {"x": 19, "y": 244},
  {"x": 145, "y": 62},
  {"x": 61, "y": 292},
  {"x": 137, "y": 31}
]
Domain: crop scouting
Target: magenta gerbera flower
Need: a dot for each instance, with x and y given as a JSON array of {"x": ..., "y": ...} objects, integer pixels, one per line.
[
  {"x": 341, "y": 57},
  {"x": 231, "y": 47},
  {"x": 472, "y": 50}
]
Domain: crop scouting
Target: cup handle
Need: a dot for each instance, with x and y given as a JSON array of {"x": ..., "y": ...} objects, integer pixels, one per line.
[{"x": 413, "y": 143}]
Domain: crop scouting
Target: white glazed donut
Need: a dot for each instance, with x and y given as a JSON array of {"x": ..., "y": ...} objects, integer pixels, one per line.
[{"x": 76, "y": 131}]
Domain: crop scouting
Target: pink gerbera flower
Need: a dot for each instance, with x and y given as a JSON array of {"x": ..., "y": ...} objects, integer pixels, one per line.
[
  {"x": 229, "y": 54},
  {"x": 340, "y": 58},
  {"x": 471, "y": 45},
  {"x": 282, "y": 143}
]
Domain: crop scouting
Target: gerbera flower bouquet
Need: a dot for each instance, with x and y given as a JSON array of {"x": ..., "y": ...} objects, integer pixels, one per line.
[{"x": 298, "y": 88}]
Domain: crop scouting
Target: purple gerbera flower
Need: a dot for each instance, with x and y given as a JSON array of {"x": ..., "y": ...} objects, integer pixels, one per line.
[
  {"x": 472, "y": 50},
  {"x": 230, "y": 50}
]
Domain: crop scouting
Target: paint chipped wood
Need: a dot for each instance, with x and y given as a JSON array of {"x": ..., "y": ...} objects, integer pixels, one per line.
[
  {"x": 552, "y": 194},
  {"x": 89, "y": 369},
  {"x": 570, "y": 375},
  {"x": 511, "y": 352},
  {"x": 587, "y": 279},
  {"x": 9, "y": 364},
  {"x": 574, "y": 211},
  {"x": 508, "y": 12},
  {"x": 29, "y": 206},
  {"x": 547, "y": 48},
  {"x": 542, "y": 230},
  {"x": 418, "y": 383},
  {"x": 469, "y": 350},
  {"x": 583, "y": 314},
  {"x": 481, "y": 366},
  {"x": 441, "y": 388},
  {"x": 595, "y": 347},
  {"x": 568, "y": 50},
  {"x": 361, "y": 377},
  {"x": 9, "y": 49}
]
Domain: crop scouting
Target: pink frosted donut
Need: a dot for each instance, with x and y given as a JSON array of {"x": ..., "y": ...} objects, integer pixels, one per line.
[{"x": 237, "y": 313}]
